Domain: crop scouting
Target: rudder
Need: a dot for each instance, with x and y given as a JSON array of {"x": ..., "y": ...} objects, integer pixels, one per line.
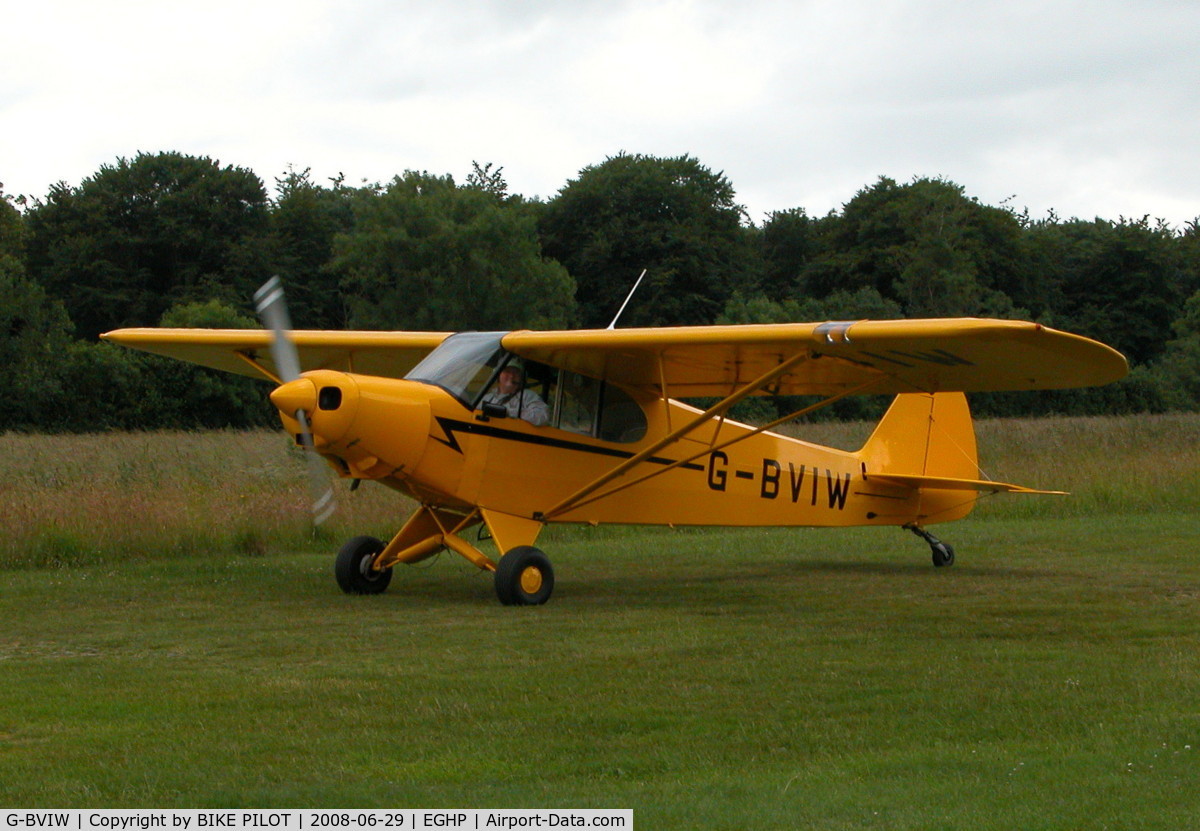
[{"x": 929, "y": 435}]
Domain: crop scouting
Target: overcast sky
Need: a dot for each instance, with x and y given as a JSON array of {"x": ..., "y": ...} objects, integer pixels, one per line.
[{"x": 1087, "y": 108}]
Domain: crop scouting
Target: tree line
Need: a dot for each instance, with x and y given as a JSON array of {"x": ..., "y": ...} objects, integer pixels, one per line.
[{"x": 176, "y": 240}]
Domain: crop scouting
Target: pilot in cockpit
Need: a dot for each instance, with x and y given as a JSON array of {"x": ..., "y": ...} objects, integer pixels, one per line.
[{"x": 517, "y": 401}]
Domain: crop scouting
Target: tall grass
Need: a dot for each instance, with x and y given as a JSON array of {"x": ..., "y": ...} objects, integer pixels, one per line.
[
  {"x": 73, "y": 500},
  {"x": 68, "y": 500},
  {"x": 1129, "y": 464}
]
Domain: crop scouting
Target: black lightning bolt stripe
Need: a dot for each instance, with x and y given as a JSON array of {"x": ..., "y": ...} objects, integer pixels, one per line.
[{"x": 451, "y": 427}]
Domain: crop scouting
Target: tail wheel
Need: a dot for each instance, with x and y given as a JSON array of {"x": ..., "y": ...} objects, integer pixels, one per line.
[
  {"x": 524, "y": 577},
  {"x": 943, "y": 554},
  {"x": 353, "y": 567}
]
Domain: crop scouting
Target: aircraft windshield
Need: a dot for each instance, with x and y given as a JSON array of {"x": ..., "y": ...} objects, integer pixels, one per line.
[{"x": 462, "y": 365}]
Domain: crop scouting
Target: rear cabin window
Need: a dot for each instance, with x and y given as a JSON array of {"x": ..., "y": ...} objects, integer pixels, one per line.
[
  {"x": 621, "y": 418},
  {"x": 596, "y": 408}
]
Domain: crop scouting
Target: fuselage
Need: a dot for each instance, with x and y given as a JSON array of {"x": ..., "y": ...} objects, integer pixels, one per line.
[{"x": 421, "y": 440}]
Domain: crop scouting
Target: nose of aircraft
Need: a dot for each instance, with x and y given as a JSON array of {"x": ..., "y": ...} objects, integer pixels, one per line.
[
  {"x": 373, "y": 426},
  {"x": 300, "y": 394}
]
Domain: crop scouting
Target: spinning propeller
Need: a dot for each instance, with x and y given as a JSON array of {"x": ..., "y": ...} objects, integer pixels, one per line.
[{"x": 272, "y": 308}]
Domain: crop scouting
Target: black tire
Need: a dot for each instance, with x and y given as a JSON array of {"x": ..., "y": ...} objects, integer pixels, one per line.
[
  {"x": 943, "y": 554},
  {"x": 524, "y": 577},
  {"x": 353, "y": 567}
]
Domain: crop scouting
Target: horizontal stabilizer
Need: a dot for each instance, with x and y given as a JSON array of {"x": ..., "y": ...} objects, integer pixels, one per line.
[{"x": 947, "y": 483}]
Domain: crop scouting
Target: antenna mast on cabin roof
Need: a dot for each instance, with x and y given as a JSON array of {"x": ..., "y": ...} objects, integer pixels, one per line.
[{"x": 613, "y": 325}]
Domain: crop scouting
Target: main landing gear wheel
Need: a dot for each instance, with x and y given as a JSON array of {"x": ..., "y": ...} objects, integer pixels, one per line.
[
  {"x": 524, "y": 577},
  {"x": 353, "y": 567}
]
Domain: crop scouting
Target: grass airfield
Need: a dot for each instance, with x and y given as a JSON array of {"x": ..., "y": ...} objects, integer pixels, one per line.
[{"x": 704, "y": 678}]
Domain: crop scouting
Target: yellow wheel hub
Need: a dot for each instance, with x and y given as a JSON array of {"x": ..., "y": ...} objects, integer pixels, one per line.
[{"x": 531, "y": 580}]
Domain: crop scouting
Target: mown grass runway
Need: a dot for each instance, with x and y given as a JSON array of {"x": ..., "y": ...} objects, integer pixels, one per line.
[{"x": 706, "y": 679}]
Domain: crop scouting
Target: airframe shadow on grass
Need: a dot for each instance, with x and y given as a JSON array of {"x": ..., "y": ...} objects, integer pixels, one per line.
[{"x": 676, "y": 581}]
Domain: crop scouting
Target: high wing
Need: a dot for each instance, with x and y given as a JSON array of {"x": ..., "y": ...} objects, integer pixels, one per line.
[
  {"x": 874, "y": 356},
  {"x": 248, "y": 351},
  {"x": 877, "y": 356}
]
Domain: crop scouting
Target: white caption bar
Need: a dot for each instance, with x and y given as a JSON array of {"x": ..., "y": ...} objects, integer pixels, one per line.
[{"x": 312, "y": 819}]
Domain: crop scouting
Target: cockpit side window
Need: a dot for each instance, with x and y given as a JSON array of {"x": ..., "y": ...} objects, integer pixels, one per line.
[{"x": 467, "y": 364}]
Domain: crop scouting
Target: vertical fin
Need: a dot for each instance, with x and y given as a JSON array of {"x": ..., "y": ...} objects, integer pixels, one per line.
[{"x": 927, "y": 434}]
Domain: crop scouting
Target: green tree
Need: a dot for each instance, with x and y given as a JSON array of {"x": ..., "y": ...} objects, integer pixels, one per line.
[
  {"x": 206, "y": 314},
  {"x": 672, "y": 217},
  {"x": 1188, "y": 250},
  {"x": 489, "y": 179},
  {"x": 34, "y": 340},
  {"x": 193, "y": 396},
  {"x": 12, "y": 228},
  {"x": 1176, "y": 373},
  {"x": 1120, "y": 282},
  {"x": 93, "y": 387},
  {"x": 925, "y": 245},
  {"x": 305, "y": 220},
  {"x": 426, "y": 254},
  {"x": 864, "y": 304},
  {"x": 144, "y": 234},
  {"x": 791, "y": 242}
]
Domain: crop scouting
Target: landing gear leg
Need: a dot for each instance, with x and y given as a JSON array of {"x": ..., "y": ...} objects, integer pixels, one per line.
[{"x": 943, "y": 553}]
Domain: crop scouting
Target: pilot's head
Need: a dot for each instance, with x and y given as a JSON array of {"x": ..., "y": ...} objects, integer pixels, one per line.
[{"x": 510, "y": 378}]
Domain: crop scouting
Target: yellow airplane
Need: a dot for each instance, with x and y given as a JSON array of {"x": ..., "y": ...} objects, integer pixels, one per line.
[{"x": 519, "y": 429}]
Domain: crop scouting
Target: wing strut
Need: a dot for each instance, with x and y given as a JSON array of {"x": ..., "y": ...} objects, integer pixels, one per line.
[
  {"x": 719, "y": 408},
  {"x": 270, "y": 376}
]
